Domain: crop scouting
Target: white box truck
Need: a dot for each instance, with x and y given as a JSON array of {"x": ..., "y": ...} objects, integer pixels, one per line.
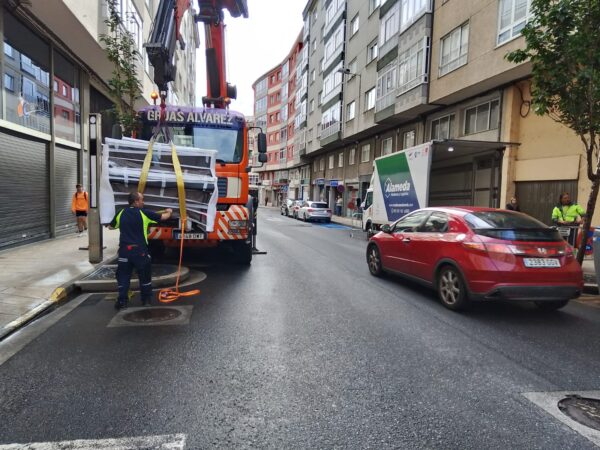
[{"x": 399, "y": 185}]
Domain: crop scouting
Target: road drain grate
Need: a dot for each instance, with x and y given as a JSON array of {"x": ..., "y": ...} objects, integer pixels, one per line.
[
  {"x": 152, "y": 315},
  {"x": 583, "y": 410}
]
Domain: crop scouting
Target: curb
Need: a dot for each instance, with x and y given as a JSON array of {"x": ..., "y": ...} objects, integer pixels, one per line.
[{"x": 58, "y": 296}]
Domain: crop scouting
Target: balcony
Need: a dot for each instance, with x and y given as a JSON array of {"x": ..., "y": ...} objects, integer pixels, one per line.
[
  {"x": 386, "y": 101},
  {"x": 330, "y": 128},
  {"x": 336, "y": 91},
  {"x": 333, "y": 20}
]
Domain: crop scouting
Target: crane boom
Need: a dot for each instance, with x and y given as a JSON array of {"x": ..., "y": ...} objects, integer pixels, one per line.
[{"x": 165, "y": 34}]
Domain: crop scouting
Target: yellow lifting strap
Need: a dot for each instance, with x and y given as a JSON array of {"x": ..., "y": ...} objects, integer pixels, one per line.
[{"x": 178, "y": 178}]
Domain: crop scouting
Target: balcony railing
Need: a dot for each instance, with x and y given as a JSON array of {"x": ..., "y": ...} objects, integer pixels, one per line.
[
  {"x": 330, "y": 128},
  {"x": 385, "y": 101}
]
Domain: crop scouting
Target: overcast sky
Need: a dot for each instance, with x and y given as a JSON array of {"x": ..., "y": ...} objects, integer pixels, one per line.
[{"x": 254, "y": 45}]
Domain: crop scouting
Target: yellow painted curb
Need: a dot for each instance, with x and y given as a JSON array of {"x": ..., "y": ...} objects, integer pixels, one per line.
[{"x": 58, "y": 295}]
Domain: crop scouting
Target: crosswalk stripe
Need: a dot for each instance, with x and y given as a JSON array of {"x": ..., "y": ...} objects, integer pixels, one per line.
[{"x": 161, "y": 442}]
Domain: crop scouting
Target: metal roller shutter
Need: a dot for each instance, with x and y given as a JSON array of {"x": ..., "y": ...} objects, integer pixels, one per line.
[
  {"x": 65, "y": 161},
  {"x": 24, "y": 190}
]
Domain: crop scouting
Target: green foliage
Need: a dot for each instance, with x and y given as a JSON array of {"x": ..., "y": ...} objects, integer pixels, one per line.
[
  {"x": 563, "y": 46},
  {"x": 125, "y": 87}
]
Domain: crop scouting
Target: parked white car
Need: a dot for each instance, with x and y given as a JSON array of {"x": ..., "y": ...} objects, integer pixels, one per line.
[{"x": 314, "y": 211}]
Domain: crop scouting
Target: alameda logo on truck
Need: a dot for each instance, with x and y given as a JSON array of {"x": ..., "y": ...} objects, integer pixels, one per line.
[{"x": 391, "y": 187}]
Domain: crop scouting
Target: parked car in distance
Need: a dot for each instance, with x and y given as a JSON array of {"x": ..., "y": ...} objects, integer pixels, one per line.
[
  {"x": 469, "y": 253},
  {"x": 314, "y": 211},
  {"x": 295, "y": 208},
  {"x": 286, "y": 207}
]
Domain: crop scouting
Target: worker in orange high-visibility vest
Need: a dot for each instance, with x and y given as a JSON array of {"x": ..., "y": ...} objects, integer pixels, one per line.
[{"x": 80, "y": 206}]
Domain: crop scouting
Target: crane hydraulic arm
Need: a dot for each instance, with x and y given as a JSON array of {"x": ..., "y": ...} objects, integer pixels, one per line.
[{"x": 165, "y": 34}]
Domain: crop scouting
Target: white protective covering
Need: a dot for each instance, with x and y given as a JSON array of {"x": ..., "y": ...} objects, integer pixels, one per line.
[{"x": 122, "y": 161}]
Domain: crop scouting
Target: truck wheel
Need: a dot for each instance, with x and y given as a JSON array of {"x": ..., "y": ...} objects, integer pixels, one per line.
[
  {"x": 242, "y": 252},
  {"x": 369, "y": 230}
]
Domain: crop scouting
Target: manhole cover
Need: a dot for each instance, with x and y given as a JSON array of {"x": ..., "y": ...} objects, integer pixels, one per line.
[
  {"x": 584, "y": 410},
  {"x": 152, "y": 315}
]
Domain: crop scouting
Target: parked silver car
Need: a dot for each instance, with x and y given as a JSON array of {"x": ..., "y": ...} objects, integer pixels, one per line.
[{"x": 314, "y": 211}]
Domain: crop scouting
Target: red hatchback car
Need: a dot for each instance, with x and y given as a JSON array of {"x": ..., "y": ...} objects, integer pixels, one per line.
[{"x": 469, "y": 253}]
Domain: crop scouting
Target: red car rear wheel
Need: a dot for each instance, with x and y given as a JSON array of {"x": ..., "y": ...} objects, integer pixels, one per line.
[{"x": 452, "y": 290}]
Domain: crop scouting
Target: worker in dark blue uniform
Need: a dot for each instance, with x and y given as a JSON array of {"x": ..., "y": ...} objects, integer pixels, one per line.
[{"x": 133, "y": 247}]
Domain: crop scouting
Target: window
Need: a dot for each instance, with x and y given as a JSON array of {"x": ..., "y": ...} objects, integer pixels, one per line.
[
  {"x": 64, "y": 90},
  {"x": 372, "y": 52},
  {"x": 351, "y": 156},
  {"x": 482, "y": 117},
  {"x": 354, "y": 26},
  {"x": 437, "y": 222},
  {"x": 55, "y": 86},
  {"x": 314, "y": 45},
  {"x": 373, "y": 5},
  {"x": 389, "y": 25},
  {"x": 365, "y": 154},
  {"x": 341, "y": 160},
  {"x": 454, "y": 49},
  {"x": 319, "y": 97},
  {"x": 410, "y": 223},
  {"x": 312, "y": 105},
  {"x": 278, "y": 76},
  {"x": 412, "y": 68},
  {"x": 386, "y": 86},
  {"x": 331, "y": 161},
  {"x": 322, "y": 164},
  {"x": 350, "y": 110},
  {"x": 512, "y": 17},
  {"x": 442, "y": 128},
  {"x": 260, "y": 106},
  {"x": 313, "y": 76},
  {"x": 315, "y": 166},
  {"x": 408, "y": 139},
  {"x": 282, "y": 153},
  {"x": 370, "y": 99},
  {"x": 65, "y": 115},
  {"x": 411, "y": 10},
  {"x": 9, "y": 51},
  {"x": 9, "y": 82},
  {"x": 386, "y": 146}
]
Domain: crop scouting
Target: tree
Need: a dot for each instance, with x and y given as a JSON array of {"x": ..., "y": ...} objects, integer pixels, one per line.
[
  {"x": 563, "y": 44},
  {"x": 125, "y": 87}
]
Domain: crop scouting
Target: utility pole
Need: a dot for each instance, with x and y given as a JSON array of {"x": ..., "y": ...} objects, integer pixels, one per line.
[{"x": 95, "y": 227}]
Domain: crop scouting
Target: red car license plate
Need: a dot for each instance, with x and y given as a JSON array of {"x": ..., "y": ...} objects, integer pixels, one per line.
[{"x": 541, "y": 262}]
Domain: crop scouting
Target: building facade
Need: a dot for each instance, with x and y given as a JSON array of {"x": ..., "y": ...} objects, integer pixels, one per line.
[
  {"x": 54, "y": 74},
  {"x": 275, "y": 95},
  {"x": 385, "y": 75}
]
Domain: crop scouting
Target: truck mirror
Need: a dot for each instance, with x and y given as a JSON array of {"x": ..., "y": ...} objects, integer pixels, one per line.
[
  {"x": 386, "y": 228},
  {"x": 262, "y": 158},
  {"x": 262, "y": 143}
]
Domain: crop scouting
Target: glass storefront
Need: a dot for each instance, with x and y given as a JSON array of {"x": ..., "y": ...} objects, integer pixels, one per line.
[{"x": 26, "y": 84}]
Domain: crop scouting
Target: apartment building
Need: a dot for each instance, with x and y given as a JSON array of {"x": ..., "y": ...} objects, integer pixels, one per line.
[
  {"x": 54, "y": 74},
  {"x": 385, "y": 75},
  {"x": 275, "y": 111}
]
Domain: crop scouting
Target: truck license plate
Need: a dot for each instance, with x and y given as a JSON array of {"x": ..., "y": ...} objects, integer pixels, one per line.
[
  {"x": 541, "y": 262},
  {"x": 177, "y": 235}
]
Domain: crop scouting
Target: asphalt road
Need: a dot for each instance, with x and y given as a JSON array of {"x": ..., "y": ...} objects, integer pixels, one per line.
[{"x": 305, "y": 349}]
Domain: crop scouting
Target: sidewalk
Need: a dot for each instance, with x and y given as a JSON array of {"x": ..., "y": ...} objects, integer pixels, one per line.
[{"x": 36, "y": 276}]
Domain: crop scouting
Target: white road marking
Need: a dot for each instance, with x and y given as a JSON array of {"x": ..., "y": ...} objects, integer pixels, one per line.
[
  {"x": 548, "y": 401},
  {"x": 164, "y": 442}
]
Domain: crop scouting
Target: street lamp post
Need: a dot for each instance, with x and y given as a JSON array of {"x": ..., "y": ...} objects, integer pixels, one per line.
[{"x": 346, "y": 71}]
